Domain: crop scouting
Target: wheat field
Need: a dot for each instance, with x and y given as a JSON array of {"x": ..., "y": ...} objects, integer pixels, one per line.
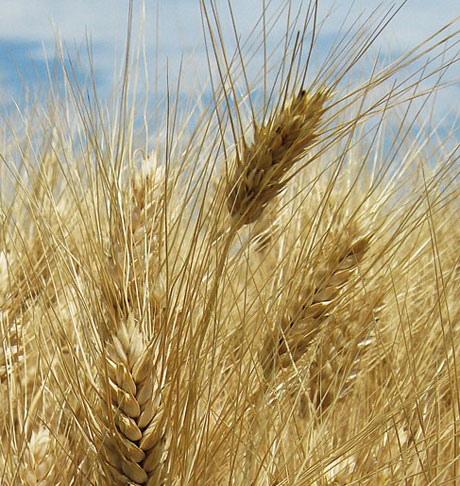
[{"x": 261, "y": 289}]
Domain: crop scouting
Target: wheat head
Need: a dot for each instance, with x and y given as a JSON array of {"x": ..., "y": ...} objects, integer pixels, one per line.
[
  {"x": 131, "y": 415},
  {"x": 307, "y": 312},
  {"x": 277, "y": 146}
]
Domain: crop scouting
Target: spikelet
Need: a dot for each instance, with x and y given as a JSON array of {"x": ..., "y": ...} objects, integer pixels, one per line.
[
  {"x": 45, "y": 462},
  {"x": 132, "y": 419},
  {"x": 339, "y": 356},
  {"x": 277, "y": 146},
  {"x": 132, "y": 257},
  {"x": 305, "y": 315},
  {"x": 34, "y": 440},
  {"x": 147, "y": 193}
]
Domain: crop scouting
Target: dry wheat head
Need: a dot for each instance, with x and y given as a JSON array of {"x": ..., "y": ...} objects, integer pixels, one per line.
[
  {"x": 306, "y": 314},
  {"x": 277, "y": 146},
  {"x": 132, "y": 418}
]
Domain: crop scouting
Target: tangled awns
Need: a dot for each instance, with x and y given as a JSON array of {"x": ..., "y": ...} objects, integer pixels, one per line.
[{"x": 262, "y": 289}]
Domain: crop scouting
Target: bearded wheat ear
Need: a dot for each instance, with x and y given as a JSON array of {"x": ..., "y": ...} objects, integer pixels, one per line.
[
  {"x": 132, "y": 419},
  {"x": 303, "y": 320},
  {"x": 133, "y": 257},
  {"x": 277, "y": 146}
]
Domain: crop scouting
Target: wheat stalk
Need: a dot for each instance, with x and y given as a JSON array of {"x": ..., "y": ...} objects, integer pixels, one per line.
[{"x": 277, "y": 146}]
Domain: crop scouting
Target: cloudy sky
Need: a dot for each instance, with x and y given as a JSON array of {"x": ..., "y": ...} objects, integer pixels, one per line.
[{"x": 172, "y": 30}]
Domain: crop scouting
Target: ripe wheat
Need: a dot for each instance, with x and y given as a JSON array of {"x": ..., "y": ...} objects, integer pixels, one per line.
[{"x": 270, "y": 297}]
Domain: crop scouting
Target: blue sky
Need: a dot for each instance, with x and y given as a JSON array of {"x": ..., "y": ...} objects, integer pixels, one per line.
[{"x": 172, "y": 29}]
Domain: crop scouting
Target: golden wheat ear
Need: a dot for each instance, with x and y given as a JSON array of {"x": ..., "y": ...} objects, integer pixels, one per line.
[
  {"x": 132, "y": 418},
  {"x": 304, "y": 318},
  {"x": 277, "y": 146}
]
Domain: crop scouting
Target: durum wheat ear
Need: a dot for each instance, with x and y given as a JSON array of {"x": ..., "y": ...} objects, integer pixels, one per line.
[
  {"x": 132, "y": 419},
  {"x": 277, "y": 146},
  {"x": 343, "y": 351},
  {"x": 304, "y": 316}
]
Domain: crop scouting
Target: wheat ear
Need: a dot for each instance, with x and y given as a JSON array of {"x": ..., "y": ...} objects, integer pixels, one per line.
[
  {"x": 277, "y": 146},
  {"x": 45, "y": 461},
  {"x": 132, "y": 417},
  {"x": 304, "y": 317}
]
